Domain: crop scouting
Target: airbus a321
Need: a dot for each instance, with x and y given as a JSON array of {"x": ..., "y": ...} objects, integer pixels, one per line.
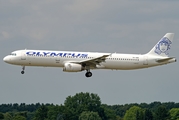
[{"x": 72, "y": 61}]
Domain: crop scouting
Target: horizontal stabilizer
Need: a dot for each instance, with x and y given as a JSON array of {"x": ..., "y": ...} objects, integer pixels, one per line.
[{"x": 167, "y": 59}]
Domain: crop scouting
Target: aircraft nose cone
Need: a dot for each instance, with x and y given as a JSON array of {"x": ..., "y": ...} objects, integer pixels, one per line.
[{"x": 6, "y": 59}]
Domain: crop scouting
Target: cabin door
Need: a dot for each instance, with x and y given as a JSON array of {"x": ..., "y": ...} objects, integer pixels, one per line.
[
  {"x": 145, "y": 59},
  {"x": 57, "y": 59}
]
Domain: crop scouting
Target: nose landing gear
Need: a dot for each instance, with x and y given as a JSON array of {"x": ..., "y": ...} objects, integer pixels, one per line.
[{"x": 23, "y": 68}]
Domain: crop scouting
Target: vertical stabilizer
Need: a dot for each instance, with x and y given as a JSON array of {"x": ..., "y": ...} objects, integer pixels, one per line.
[{"x": 163, "y": 47}]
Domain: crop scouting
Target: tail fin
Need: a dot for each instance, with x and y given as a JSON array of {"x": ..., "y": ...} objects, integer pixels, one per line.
[{"x": 163, "y": 47}]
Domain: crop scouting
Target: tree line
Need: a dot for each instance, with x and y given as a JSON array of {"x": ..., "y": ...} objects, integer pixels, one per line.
[{"x": 88, "y": 106}]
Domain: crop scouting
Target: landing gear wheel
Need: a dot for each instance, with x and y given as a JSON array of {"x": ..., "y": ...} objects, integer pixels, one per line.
[
  {"x": 88, "y": 74},
  {"x": 22, "y": 72}
]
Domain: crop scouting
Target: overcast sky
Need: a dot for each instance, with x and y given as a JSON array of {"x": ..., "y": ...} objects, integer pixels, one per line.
[{"x": 123, "y": 26}]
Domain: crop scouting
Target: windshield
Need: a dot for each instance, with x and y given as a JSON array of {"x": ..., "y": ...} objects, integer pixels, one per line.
[{"x": 13, "y": 54}]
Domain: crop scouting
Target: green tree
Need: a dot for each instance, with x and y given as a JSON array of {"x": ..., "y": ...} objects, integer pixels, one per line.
[
  {"x": 148, "y": 115},
  {"x": 18, "y": 117},
  {"x": 24, "y": 114},
  {"x": 174, "y": 114},
  {"x": 30, "y": 115},
  {"x": 81, "y": 102},
  {"x": 7, "y": 116},
  {"x": 56, "y": 112},
  {"x": 161, "y": 113},
  {"x": 87, "y": 115},
  {"x": 41, "y": 113},
  {"x": 1, "y": 116},
  {"x": 134, "y": 113},
  {"x": 109, "y": 113}
]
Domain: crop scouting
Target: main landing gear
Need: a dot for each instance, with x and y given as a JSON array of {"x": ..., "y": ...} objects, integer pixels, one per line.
[
  {"x": 23, "y": 68},
  {"x": 88, "y": 73}
]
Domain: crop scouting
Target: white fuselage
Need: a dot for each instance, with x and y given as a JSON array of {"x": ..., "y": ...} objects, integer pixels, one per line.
[{"x": 59, "y": 58}]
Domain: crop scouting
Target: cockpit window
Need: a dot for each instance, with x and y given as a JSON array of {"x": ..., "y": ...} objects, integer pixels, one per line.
[{"x": 13, "y": 54}]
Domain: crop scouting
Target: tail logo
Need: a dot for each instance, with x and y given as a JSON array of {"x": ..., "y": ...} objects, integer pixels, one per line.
[{"x": 163, "y": 46}]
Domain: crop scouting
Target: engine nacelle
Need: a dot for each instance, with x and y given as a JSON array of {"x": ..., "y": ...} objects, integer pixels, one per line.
[{"x": 72, "y": 67}]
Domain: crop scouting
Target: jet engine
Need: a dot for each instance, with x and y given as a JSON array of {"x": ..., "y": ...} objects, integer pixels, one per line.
[{"x": 72, "y": 67}]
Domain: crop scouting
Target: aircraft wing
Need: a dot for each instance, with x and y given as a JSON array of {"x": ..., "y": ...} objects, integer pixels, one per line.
[
  {"x": 95, "y": 61},
  {"x": 165, "y": 59}
]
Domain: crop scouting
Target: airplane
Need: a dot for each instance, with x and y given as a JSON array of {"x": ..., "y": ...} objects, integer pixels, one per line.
[{"x": 85, "y": 61}]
